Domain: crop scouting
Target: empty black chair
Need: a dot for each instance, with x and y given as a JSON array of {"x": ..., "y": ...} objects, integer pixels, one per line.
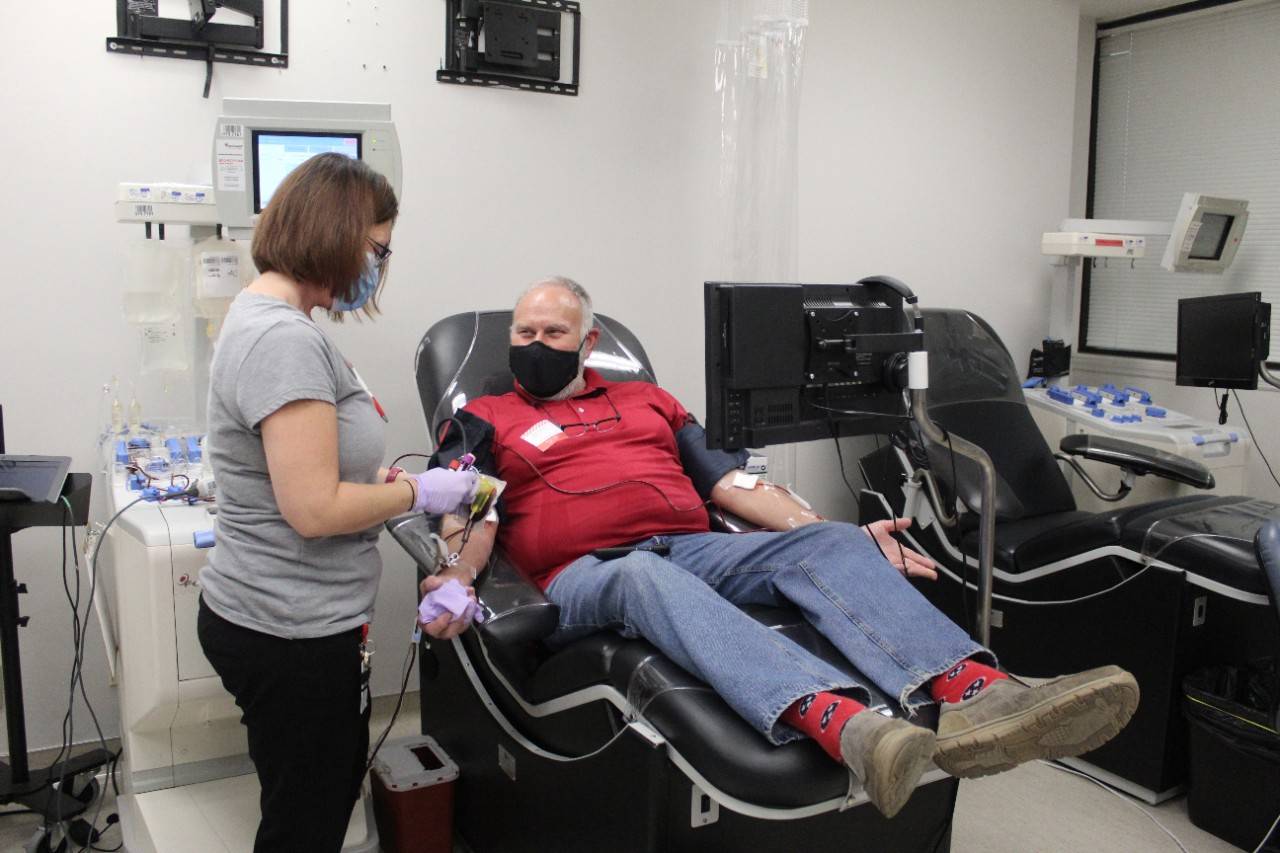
[{"x": 1158, "y": 588}]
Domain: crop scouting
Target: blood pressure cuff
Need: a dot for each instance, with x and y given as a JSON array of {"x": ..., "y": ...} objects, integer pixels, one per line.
[{"x": 702, "y": 465}]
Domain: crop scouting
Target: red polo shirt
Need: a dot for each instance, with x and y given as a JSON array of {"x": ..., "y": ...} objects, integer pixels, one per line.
[{"x": 572, "y": 489}]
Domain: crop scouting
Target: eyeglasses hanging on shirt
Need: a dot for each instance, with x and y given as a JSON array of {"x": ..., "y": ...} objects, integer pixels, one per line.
[{"x": 580, "y": 428}]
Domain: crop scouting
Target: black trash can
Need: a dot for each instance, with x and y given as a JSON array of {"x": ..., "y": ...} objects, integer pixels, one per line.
[{"x": 1234, "y": 752}]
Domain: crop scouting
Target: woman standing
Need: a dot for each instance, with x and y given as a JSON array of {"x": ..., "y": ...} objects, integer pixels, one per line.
[{"x": 295, "y": 443}]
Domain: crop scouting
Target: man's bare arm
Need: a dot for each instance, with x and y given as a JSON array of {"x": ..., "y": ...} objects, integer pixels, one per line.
[{"x": 766, "y": 505}]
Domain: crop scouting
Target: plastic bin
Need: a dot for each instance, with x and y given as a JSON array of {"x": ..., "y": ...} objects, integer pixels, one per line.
[
  {"x": 413, "y": 796},
  {"x": 1234, "y": 753}
]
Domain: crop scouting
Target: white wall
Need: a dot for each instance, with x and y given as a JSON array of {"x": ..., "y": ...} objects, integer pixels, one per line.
[{"x": 935, "y": 146}]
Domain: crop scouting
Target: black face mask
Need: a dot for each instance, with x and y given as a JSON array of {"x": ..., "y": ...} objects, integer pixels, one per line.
[{"x": 542, "y": 370}]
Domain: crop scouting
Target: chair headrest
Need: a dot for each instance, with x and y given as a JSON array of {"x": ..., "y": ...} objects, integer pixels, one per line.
[
  {"x": 464, "y": 356},
  {"x": 1267, "y": 545}
]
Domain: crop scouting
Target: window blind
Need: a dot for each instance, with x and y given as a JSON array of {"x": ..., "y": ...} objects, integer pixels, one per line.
[{"x": 1188, "y": 105}]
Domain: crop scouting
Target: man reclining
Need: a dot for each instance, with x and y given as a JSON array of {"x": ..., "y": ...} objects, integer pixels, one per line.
[{"x": 591, "y": 464}]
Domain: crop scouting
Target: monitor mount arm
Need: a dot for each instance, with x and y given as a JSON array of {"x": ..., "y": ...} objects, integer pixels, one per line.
[
  {"x": 917, "y": 388},
  {"x": 1266, "y": 374},
  {"x": 918, "y": 385}
]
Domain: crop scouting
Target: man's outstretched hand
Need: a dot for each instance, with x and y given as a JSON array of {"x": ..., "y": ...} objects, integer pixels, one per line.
[{"x": 902, "y": 558}]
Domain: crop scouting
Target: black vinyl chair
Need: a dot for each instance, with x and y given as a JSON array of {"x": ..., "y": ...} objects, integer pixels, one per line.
[
  {"x": 1159, "y": 588},
  {"x": 605, "y": 744}
]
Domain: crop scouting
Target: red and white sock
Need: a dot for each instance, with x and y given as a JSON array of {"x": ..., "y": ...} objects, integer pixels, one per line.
[
  {"x": 964, "y": 681},
  {"x": 821, "y": 716}
]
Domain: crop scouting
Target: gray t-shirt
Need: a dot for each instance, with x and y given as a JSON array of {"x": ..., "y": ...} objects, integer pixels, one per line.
[{"x": 263, "y": 575}]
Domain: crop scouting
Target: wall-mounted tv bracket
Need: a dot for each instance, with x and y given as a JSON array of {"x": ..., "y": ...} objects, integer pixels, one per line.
[
  {"x": 142, "y": 31},
  {"x": 511, "y": 43}
]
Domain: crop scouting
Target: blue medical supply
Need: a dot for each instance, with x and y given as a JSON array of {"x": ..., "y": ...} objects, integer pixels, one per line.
[
  {"x": 1061, "y": 395},
  {"x": 122, "y": 453},
  {"x": 1156, "y": 412},
  {"x": 175, "y": 449},
  {"x": 193, "y": 448},
  {"x": 203, "y": 538}
]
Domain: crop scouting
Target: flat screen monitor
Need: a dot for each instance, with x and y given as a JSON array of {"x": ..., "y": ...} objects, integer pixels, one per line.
[
  {"x": 276, "y": 153},
  {"x": 804, "y": 362},
  {"x": 1222, "y": 340}
]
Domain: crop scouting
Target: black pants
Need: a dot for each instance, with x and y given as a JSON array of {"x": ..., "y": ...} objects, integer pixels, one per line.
[{"x": 308, "y": 738}]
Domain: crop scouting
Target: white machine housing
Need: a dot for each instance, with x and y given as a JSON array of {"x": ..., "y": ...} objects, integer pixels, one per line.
[
  {"x": 1222, "y": 449},
  {"x": 1206, "y": 234},
  {"x": 1091, "y": 244},
  {"x": 244, "y": 130},
  {"x": 177, "y": 723}
]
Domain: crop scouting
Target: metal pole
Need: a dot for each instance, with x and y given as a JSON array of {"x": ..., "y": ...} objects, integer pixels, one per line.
[
  {"x": 10, "y": 659},
  {"x": 981, "y": 629}
]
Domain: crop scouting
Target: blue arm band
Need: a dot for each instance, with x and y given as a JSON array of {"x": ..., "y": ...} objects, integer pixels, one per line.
[{"x": 703, "y": 466}]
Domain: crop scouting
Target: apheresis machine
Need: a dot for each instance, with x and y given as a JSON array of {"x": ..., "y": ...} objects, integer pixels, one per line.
[{"x": 187, "y": 777}]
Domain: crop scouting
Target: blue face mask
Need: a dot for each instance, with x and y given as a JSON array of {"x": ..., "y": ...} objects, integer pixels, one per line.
[{"x": 365, "y": 286}]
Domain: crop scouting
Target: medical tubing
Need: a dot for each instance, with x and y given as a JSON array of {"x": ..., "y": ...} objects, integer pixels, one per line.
[
  {"x": 1256, "y": 446},
  {"x": 893, "y": 515},
  {"x": 404, "y": 686},
  {"x": 1104, "y": 786},
  {"x": 78, "y": 662},
  {"x": 987, "y": 528},
  {"x": 599, "y": 489}
]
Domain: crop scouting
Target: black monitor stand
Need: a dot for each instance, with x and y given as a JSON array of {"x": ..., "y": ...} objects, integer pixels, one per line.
[{"x": 35, "y": 789}]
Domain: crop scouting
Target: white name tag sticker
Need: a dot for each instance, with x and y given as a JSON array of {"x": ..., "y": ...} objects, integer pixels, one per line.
[{"x": 543, "y": 435}]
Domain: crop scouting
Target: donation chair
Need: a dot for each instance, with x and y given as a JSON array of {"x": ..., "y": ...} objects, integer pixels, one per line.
[
  {"x": 1160, "y": 588},
  {"x": 605, "y": 744}
]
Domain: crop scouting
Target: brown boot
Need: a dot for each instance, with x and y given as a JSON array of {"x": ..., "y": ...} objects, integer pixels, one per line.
[
  {"x": 887, "y": 755},
  {"x": 1009, "y": 723}
]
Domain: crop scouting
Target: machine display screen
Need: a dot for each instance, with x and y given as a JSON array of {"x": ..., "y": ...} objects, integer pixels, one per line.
[
  {"x": 277, "y": 152},
  {"x": 1211, "y": 239},
  {"x": 1221, "y": 339}
]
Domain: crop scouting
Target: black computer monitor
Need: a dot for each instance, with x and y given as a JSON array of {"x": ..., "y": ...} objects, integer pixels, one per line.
[
  {"x": 1222, "y": 340},
  {"x": 802, "y": 362}
]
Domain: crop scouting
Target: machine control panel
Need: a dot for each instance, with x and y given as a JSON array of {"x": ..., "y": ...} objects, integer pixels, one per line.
[{"x": 1128, "y": 411}]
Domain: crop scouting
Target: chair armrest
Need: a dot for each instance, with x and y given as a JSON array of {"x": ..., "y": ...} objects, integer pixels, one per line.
[
  {"x": 1138, "y": 458},
  {"x": 515, "y": 609},
  {"x": 723, "y": 521}
]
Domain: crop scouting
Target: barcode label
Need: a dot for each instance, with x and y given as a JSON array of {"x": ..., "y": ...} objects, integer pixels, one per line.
[
  {"x": 233, "y": 131},
  {"x": 143, "y": 210}
]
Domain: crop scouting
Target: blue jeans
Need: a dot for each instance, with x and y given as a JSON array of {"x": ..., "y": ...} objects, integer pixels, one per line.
[{"x": 687, "y": 605}]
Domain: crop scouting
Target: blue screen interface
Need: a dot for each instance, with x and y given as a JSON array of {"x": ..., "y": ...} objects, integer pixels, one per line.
[{"x": 278, "y": 154}]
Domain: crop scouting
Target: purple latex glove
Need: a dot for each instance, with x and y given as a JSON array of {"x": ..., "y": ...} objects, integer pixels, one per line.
[
  {"x": 442, "y": 490},
  {"x": 450, "y": 597}
]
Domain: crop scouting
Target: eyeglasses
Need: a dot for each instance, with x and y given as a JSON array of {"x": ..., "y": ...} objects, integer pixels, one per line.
[
  {"x": 380, "y": 251},
  {"x": 381, "y": 254},
  {"x": 603, "y": 425}
]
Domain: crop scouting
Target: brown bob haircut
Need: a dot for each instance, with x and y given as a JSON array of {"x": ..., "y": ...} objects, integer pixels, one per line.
[{"x": 315, "y": 226}]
